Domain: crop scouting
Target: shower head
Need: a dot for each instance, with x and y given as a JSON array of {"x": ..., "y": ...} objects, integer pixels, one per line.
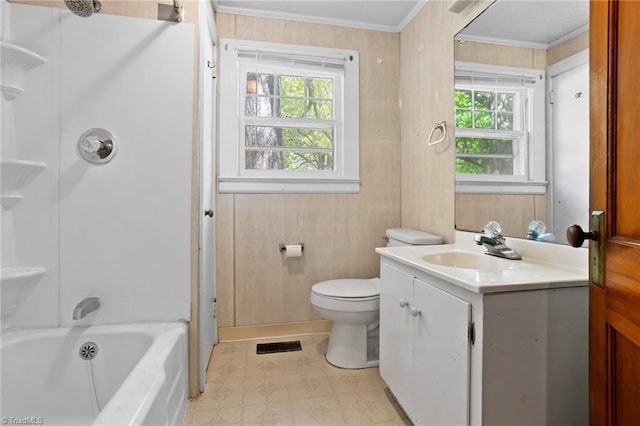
[{"x": 83, "y": 8}]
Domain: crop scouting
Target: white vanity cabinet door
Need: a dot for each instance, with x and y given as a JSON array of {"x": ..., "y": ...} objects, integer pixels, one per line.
[
  {"x": 441, "y": 356},
  {"x": 396, "y": 366}
]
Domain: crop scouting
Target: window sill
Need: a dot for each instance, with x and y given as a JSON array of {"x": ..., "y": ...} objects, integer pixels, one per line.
[
  {"x": 244, "y": 185},
  {"x": 501, "y": 187}
]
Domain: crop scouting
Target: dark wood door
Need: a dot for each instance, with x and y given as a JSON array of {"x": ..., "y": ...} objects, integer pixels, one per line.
[{"x": 614, "y": 317}]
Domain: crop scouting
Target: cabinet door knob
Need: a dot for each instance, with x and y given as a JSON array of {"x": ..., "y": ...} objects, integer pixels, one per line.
[
  {"x": 404, "y": 303},
  {"x": 415, "y": 311}
]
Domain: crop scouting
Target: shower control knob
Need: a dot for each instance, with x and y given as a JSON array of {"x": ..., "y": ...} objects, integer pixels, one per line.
[
  {"x": 208, "y": 212},
  {"x": 404, "y": 303},
  {"x": 415, "y": 311}
]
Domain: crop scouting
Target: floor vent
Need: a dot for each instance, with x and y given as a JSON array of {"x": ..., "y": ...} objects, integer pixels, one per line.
[{"x": 271, "y": 348}]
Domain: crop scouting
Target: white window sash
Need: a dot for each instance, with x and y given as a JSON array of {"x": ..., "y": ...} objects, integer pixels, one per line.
[{"x": 321, "y": 63}]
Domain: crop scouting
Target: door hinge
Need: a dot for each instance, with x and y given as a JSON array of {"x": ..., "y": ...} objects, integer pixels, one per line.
[
  {"x": 472, "y": 333},
  {"x": 214, "y": 308},
  {"x": 552, "y": 97}
]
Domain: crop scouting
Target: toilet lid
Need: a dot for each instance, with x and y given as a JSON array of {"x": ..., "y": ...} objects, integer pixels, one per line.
[{"x": 348, "y": 288}]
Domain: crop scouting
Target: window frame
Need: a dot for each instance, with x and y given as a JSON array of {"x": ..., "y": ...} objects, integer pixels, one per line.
[
  {"x": 234, "y": 177},
  {"x": 531, "y": 136}
]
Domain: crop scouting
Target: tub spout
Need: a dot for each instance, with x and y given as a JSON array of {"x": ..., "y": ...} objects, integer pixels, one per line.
[{"x": 86, "y": 306}]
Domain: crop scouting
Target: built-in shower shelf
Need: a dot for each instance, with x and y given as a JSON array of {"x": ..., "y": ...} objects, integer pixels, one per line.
[
  {"x": 16, "y": 62},
  {"x": 14, "y": 281},
  {"x": 16, "y": 174}
]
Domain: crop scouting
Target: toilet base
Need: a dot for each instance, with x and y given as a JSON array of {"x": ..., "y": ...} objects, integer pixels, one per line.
[{"x": 351, "y": 347}]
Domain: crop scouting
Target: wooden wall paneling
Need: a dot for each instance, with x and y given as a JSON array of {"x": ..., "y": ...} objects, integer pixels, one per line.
[
  {"x": 340, "y": 231},
  {"x": 496, "y": 54},
  {"x": 568, "y": 48},
  {"x": 426, "y": 95}
]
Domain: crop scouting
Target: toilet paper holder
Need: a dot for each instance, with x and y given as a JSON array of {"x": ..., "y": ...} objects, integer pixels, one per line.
[{"x": 283, "y": 247}]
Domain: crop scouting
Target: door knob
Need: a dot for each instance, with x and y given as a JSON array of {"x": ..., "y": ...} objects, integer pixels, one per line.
[
  {"x": 415, "y": 311},
  {"x": 576, "y": 236},
  {"x": 209, "y": 213},
  {"x": 403, "y": 302}
]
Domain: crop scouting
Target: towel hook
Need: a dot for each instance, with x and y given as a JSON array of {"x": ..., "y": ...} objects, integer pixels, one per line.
[{"x": 442, "y": 126}]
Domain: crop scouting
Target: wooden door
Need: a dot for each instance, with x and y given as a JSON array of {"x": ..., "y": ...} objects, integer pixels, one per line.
[{"x": 614, "y": 325}]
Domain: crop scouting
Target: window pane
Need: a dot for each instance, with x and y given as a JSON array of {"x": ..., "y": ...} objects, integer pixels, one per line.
[
  {"x": 463, "y": 119},
  {"x": 307, "y": 138},
  {"x": 489, "y": 166},
  {"x": 292, "y": 108},
  {"x": 261, "y": 84},
  {"x": 505, "y": 102},
  {"x": 462, "y": 98},
  {"x": 484, "y": 100},
  {"x": 288, "y": 160},
  {"x": 270, "y": 136},
  {"x": 484, "y": 146},
  {"x": 291, "y": 86},
  {"x": 262, "y": 136},
  {"x": 320, "y": 88},
  {"x": 484, "y": 120},
  {"x": 263, "y": 160},
  {"x": 321, "y": 110},
  {"x": 477, "y": 154},
  {"x": 259, "y": 106},
  {"x": 505, "y": 121},
  {"x": 308, "y": 160}
]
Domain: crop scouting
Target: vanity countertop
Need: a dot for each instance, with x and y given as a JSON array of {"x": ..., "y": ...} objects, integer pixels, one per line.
[{"x": 543, "y": 265}]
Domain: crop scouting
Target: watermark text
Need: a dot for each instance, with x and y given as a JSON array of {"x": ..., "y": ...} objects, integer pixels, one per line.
[{"x": 22, "y": 420}]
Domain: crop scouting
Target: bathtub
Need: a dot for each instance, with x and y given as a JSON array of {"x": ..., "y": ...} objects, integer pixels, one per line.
[{"x": 139, "y": 375}]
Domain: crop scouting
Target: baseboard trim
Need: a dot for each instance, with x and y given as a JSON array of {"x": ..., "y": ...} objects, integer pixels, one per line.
[{"x": 249, "y": 332}]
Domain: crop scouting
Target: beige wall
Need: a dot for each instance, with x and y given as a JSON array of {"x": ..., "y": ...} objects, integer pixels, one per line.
[
  {"x": 496, "y": 54},
  {"x": 568, "y": 48},
  {"x": 512, "y": 211},
  {"x": 340, "y": 231},
  {"x": 426, "y": 92}
]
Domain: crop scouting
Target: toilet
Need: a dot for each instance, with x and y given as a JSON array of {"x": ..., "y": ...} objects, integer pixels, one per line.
[{"x": 354, "y": 307}]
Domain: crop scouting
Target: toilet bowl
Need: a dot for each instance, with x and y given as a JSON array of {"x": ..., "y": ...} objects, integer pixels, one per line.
[{"x": 354, "y": 307}]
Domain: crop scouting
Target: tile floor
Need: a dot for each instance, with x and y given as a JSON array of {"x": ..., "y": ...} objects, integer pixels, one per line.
[{"x": 290, "y": 388}]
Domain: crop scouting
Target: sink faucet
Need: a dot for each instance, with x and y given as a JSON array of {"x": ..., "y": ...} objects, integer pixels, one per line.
[
  {"x": 86, "y": 306},
  {"x": 496, "y": 247}
]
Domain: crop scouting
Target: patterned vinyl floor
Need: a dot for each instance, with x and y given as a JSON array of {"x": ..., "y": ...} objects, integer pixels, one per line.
[{"x": 290, "y": 388}]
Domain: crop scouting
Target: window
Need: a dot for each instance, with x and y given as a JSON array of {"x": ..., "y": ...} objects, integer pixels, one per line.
[
  {"x": 499, "y": 119},
  {"x": 289, "y": 118}
]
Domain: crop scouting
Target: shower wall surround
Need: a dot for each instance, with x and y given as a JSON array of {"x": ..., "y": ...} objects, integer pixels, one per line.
[{"x": 121, "y": 230}]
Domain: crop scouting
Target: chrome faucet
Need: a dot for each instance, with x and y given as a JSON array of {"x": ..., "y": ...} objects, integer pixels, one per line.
[
  {"x": 496, "y": 247},
  {"x": 85, "y": 307}
]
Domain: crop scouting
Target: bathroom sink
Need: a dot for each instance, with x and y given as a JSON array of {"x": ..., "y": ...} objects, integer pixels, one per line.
[{"x": 468, "y": 260}]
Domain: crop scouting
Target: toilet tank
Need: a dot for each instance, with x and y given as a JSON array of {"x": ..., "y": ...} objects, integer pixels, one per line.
[{"x": 410, "y": 237}]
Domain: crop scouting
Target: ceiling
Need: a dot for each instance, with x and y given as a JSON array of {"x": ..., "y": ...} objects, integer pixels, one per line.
[
  {"x": 527, "y": 22},
  {"x": 382, "y": 15},
  {"x": 540, "y": 23}
]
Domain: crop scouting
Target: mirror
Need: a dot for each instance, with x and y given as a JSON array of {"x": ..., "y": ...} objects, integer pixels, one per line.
[{"x": 522, "y": 117}]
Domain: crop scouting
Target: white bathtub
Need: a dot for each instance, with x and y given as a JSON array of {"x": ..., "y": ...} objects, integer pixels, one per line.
[{"x": 140, "y": 375}]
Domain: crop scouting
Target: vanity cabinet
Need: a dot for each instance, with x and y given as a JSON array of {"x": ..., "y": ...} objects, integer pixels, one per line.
[
  {"x": 453, "y": 356},
  {"x": 420, "y": 322}
]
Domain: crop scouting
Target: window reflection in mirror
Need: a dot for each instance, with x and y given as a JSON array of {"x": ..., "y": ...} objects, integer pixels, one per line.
[{"x": 521, "y": 99}]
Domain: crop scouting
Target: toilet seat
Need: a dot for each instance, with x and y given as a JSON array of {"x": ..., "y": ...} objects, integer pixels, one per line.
[
  {"x": 347, "y": 295},
  {"x": 349, "y": 289}
]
